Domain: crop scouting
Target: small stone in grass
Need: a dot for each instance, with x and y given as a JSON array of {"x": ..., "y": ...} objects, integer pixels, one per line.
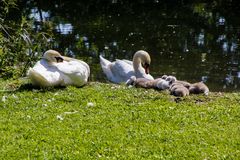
[
  {"x": 90, "y": 104},
  {"x": 59, "y": 117}
]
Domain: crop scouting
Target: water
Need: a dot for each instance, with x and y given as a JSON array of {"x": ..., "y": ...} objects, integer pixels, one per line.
[{"x": 192, "y": 41}]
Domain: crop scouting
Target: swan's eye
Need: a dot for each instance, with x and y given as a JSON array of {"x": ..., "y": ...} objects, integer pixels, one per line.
[
  {"x": 146, "y": 65},
  {"x": 59, "y": 59}
]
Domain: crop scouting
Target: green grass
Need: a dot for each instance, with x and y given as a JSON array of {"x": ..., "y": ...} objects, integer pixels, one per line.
[{"x": 106, "y": 121}]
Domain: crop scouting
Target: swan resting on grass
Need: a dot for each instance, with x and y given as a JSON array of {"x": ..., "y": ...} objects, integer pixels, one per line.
[
  {"x": 120, "y": 71},
  {"x": 57, "y": 70}
]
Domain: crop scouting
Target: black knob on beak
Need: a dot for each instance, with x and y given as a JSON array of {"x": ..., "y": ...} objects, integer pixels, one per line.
[{"x": 59, "y": 59}]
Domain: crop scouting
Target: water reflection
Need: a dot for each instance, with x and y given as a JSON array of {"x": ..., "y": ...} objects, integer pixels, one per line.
[
  {"x": 66, "y": 28},
  {"x": 200, "y": 38},
  {"x": 221, "y": 21},
  {"x": 39, "y": 15},
  {"x": 192, "y": 43}
]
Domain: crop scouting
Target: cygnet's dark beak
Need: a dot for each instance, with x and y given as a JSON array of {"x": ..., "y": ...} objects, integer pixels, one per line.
[{"x": 59, "y": 59}]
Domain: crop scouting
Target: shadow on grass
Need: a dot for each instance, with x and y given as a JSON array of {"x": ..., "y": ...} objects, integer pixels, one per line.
[
  {"x": 30, "y": 87},
  {"x": 13, "y": 88}
]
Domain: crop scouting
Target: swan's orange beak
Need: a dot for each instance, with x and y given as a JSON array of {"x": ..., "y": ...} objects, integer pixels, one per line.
[{"x": 146, "y": 67}]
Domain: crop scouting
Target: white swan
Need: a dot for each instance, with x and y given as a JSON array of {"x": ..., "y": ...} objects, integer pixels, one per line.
[
  {"x": 121, "y": 70},
  {"x": 56, "y": 70}
]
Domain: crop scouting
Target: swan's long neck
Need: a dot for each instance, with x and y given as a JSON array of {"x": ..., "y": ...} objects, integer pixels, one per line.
[{"x": 137, "y": 65}]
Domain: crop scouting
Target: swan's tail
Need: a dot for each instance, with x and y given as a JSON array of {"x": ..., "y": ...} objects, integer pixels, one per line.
[
  {"x": 106, "y": 67},
  {"x": 36, "y": 78},
  {"x": 104, "y": 62},
  {"x": 206, "y": 92}
]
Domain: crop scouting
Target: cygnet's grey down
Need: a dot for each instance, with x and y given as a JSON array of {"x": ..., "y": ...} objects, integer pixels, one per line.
[
  {"x": 179, "y": 89},
  {"x": 199, "y": 87},
  {"x": 142, "y": 82},
  {"x": 184, "y": 83},
  {"x": 166, "y": 81},
  {"x": 170, "y": 78},
  {"x": 158, "y": 83},
  {"x": 183, "y": 88},
  {"x": 176, "y": 87}
]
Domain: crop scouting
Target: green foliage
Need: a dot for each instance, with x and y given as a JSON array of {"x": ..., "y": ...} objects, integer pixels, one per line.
[
  {"x": 6, "y": 5},
  {"x": 20, "y": 45},
  {"x": 106, "y": 121},
  {"x": 203, "y": 11},
  {"x": 81, "y": 46}
]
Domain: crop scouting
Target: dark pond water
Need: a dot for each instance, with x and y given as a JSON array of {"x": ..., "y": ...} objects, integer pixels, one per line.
[{"x": 192, "y": 41}]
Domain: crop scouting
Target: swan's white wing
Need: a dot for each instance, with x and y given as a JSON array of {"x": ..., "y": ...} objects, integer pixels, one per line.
[
  {"x": 43, "y": 74},
  {"x": 121, "y": 71},
  {"x": 67, "y": 67},
  {"x": 106, "y": 67},
  {"x": 74, "y": 72},
  {"x": 118, "y": 71},
  {"x": 127, "y": 61}
]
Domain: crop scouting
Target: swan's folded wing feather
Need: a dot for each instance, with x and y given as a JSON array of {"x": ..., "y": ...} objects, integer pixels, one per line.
[
  {"x": 68, "y": 67},
  {"x": 44, "y": 76},
  {"x": 74, "y": 72},
  {"x": 128, "y": 62},
  {"x": 122, "y": 70}
]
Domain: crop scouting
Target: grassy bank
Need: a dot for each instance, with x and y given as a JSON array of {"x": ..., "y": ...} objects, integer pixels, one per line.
[{"x": 100, "y": 121}]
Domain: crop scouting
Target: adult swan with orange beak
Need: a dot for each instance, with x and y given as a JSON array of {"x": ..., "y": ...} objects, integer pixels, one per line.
[{"x": 120, "y": 71}]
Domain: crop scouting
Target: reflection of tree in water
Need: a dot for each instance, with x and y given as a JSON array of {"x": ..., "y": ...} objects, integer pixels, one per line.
[{"x": 178, "y": 32}]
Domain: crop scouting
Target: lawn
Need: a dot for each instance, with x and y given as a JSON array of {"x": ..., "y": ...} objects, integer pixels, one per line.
[{"x": 107, "y": 121}]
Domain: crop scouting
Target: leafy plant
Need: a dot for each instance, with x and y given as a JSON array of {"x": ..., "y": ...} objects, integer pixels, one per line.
[{"x": 20, "y": 44}]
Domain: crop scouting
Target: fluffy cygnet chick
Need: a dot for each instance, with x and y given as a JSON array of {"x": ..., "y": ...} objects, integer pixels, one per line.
[
  {"x": 184, "y": 83},
  {"x": 165, "y": 81},
  {"x": 142, "y": 82},
  {"x": 158, "y": 83},
  {"x": 199, "y": 87},
  {"x": 179, "y": 88},
  {"x": 162, "y": 84}
]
